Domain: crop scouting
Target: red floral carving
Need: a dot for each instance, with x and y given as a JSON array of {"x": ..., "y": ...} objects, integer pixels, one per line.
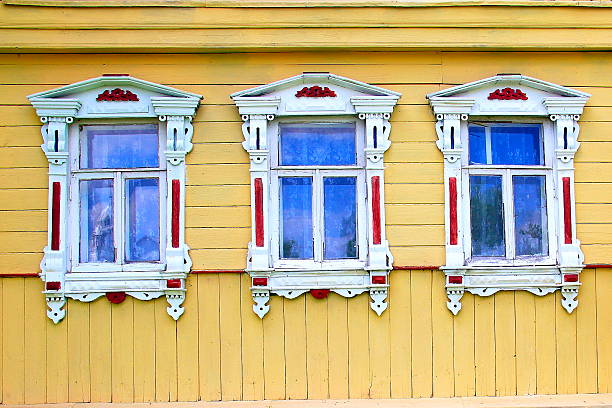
[
  {"x": 54, "y": 285},
  {"x": 115, "y": 297},
  {"x": 319, "y": 293},
  {"x": 117, "y": 95},
  {"x": 315, "y": 92},
  {"x": 508, "y": 94}
]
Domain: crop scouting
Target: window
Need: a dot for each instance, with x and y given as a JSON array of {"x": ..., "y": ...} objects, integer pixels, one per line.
[
  {"x": 316, "y": 143},
  {"x": 508, "y": 144},
  {"x": 118, "y": 182},
  {"x": 116, "y": 148},
  {"x": 318, "y": 175}
]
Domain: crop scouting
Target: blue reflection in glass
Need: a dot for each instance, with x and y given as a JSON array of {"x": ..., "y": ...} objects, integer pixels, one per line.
[
  {"x": 142, "y": 216},
  {"x": 324, "y": 144},
  {"x": 531, "y": 233},
  {"x": 120, "y": 147},
  {"x": 96, "y": 241},
  {"x": 506, "y": 145},
  {"x": 296, "y": 213},
  {"x": 487, "y": 216},
  {"x": 340, "y": 217}
]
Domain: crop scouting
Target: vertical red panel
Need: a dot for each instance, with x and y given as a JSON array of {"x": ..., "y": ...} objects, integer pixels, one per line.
[
  {"x": 376, "y": 210},
  {"x": 259, "y": 215},
  {"x": 55, "y": 216},
  {"x": 452, "y": 192},
  {"x": 567, "y": 210},
  {"x": 176, "y": 212}
]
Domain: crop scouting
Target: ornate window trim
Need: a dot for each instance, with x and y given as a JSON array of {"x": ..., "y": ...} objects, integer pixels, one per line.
[
  {"x": 114, "y": 99},
  {"x": 519, "y": 97},
  {"x": 316, "y": 96}
]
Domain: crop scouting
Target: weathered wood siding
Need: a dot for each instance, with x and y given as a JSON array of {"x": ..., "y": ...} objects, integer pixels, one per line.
[{"x": 509, "y": 343}]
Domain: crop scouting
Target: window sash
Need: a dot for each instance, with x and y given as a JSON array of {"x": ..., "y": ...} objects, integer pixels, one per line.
[
  {"x": 508, "y": 214},
  {"x": 318, "y": 233},
  {"x": 119, "y": 222}
]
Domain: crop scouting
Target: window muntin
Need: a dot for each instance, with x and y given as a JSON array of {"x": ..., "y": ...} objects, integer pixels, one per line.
[
  {"x": 125, "y": 220},
  {"x": 318, "y": 184},
  {"x": 510, "y": 184}
]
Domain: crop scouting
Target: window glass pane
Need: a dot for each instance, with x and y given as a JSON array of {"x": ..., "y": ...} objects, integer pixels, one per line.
[
  {"x": 487, "y": 216},
  {"x": 477, "y": 141},
  {"x": 132, "y": 146},
  {"x": 97, "y": 244},
  {"x": 296, "y": 213},
  {"x": 142, "y": 215},
  {"x": 530, "y": 230},
  {"x": 340, "y": 217},
  {"x": 516, "y": 145},
  {"x": 317, "y": 144}
]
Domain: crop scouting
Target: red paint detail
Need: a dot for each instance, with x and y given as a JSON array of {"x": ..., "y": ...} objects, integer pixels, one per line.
[
  {"x": 319, "y": 293},
  {"x": 452, "y": 191},
  {"x": 315, "y": 92},
  {"x": 115, "y": 297},
  {"x": 458, "y": 280},
  {"x": 176, "y": 212},
  {"x": 592, "y": 266},
  {"x": 117, "y": 95},
  {"x": 415, "y": 267},
  {"x": 379, "y": 279},
  {"x": 53, "y": 285},
  {"x": 260, "y": 281},
  {"x": 570, "y": 277},
  {"x": 55, "y": 216},
  {"x": 173, "y": 283},
  {"x": 19, "y": 275},
  {"x": 567, "y": 210},
  {"x": 259, "y": 215},
  {"x": 376, "y": 210},
  {"x": 203, "y": 271},
  {"x": 508, "y": 94}
]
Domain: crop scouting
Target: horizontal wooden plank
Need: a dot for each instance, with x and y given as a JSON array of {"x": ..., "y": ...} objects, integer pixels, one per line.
[
  {"x": 22, "y": 157},
  {"x": 208, "y": 153},
  {"x": 218, "y": 217},
  {"x": 27, "y": 199},
  {"x": 217, "y": 238},
  {"x": 23, "y": 177},
  {"x": 268, "y": 39},
  {"x": 594, "y": 213},
  {"x": 475, "y": 16},
  {"x": 218, "y": 196},
  {"x": 219, "y": 258},
  {"x": 20, "y": 136},
  {"x": 414, "y": 172},
  {"x": 595, "y": 132},
  {"x": 594, "y": 152},
  {"x": 418, "y": 255},
  {"x": 415, "y": 235},
  {"x": 219, "y": 73},
  {"x": 462, "y": 67},
  {"x": 20, "y": 263},
  {"x": 218, "y": 174},
  {"x": 23, "y": 220},
  {"x": 594, "y": 233},
  {"x": 593, "y": 193},
  {"x": 414, "y": 214},
  {"x": 415, "y": 152},
  {"x": 597, "y": 254},
  {"x": 593, "y": 172},
  {"x": 414, "y": 193},
  {"x": 17, "y": 242}
]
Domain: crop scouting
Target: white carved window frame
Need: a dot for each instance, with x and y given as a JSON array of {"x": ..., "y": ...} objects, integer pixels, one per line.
[
  {"x": 62, "y": 111},
  {"x": 558, "y": 109},
  {"x": 262, "y": 109}
]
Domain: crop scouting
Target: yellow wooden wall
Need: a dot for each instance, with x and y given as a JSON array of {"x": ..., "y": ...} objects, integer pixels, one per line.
[{"x": 510, "y": 343}]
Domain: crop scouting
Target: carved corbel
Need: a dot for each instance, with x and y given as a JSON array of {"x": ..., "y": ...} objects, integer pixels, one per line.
[
  {"x": 377, "y": 129},
  {"x": 378, "y": 303},
  {"x": 568, "y": 298},
  {"x": 566, "y": 132},
  {"x": 179, "y": 132},
  {"x": 448, "y": 130},
  {"x": 55, "y": 138},
  {"x": 56, "y": 302},
  {"x": 175, "y": 299},
  {"x": 454, "y": 299},
  {"x": 260, "y": 297}
]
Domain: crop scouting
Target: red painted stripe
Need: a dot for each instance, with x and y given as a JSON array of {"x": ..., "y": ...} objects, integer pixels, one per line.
[
  {"x": 176, "y": 212},
  {"x": 595, "y": 266},
  {"x": 19, "y": 275},
  {"x": 203, "y": 271},
  {"x": 376, "y": 210},
  {"x": 259, "y": 215},
  {"x": 567, "y": 210},
  {"x": 414, "y": 267},
  {"x": 452, "y": 191},
  {"x": 55, "y": 216}
]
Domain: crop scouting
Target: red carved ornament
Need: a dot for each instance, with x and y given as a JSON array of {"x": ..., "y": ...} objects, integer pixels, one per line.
[
  {"x": 319, "y": 293},
  {"x": 53, "y": 285},
  {"x": 117, "y": 95},
  {"x": 115, "y": 297},
  {"x": 507, "y": 94},
  {"x": 315, "y": 92}
]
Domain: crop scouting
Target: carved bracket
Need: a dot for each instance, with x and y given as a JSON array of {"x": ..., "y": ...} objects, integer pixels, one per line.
[
  {"x": 175, "y": 299},
  {"x": 56, "y": 304}
]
